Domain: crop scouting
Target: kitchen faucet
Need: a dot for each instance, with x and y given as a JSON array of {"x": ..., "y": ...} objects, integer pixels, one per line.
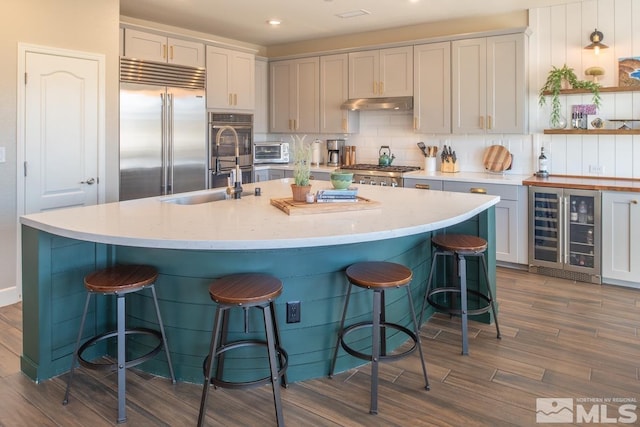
[{"x": 236, "y": 190}]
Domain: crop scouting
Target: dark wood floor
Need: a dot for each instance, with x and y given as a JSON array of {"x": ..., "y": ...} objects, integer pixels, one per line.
[{"x": 560, "y": 340}]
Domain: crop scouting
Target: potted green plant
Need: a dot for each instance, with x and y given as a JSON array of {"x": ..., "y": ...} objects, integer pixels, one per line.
[
  {"x": 302, "y": 153},
  {"x": 555, "y": 80}
]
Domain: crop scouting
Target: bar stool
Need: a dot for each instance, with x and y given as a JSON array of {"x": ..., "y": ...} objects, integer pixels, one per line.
[
  {"x": 245, "y": 291},
  {"x": 460, "y": 246},
  {"x": 378, "y": 276},
  {"x": 119, "y": 281}
]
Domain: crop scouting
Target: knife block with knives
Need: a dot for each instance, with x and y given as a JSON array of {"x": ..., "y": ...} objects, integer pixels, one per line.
[{"x": 449, "y": 161}]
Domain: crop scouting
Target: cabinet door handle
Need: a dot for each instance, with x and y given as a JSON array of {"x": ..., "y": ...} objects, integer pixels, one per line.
[
  {"x": 423, "y": 186},
  {"x": 489, "y": 122},
  {"x": 381, "y": 88},
  {"x": 164, "y": 51},
  {"x": 295, "y": 124},
  {"x": 235, "y": 99},
  {"x": 481, "y": 122},
  {"x": 344, "y": 125},
  {"x": 477, "y": 190},
  {"x": 634, "y": 202},
  {"x": 290, "y": 126},
  {"x": 171, "y": 52},
  {"x": 230, "y": 99},
  {"x": 415, "y": 123},
  {"x": 375, "y": 88}
]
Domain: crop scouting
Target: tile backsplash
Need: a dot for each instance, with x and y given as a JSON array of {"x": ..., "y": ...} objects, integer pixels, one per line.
[{"x": 394, "y": 128}]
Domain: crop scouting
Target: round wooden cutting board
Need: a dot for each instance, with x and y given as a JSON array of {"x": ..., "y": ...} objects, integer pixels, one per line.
[{"x": 497, "y": 159}]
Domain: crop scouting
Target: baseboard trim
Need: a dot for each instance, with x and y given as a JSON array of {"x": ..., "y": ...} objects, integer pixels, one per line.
[{"x": 9, "y": 296}]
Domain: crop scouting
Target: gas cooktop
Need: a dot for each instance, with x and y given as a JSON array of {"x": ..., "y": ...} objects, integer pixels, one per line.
[{"x": 373, "y": 167}]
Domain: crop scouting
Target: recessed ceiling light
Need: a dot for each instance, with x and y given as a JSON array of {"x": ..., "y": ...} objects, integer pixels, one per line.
[
  {"x": 353, "y": 13},
  {"x": 274, "y": 22}
]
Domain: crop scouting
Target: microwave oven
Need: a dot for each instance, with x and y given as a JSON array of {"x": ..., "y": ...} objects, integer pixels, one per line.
[{"x": 271, "y": 152}]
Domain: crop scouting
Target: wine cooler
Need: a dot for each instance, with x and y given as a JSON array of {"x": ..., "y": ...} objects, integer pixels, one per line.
[{"x": 564, "y": 233}]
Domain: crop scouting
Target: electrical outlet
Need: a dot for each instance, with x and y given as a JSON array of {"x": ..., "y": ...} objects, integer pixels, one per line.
[
  {"x": 596, "y": 169},
  {"x": 293, "y": 311}
]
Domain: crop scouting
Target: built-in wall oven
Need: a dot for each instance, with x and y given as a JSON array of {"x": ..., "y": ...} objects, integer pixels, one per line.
[{"x": 222, "y": 147}]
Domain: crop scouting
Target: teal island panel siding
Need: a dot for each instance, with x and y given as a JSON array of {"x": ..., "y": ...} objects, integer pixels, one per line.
[{"x": 54, "y": 267}]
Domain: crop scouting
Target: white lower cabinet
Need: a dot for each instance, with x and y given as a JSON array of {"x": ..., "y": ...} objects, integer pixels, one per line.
[
  {"x": 511, "y": 217},
  {"x": 261, "y": 175},
  {"x": 277, "y": 173},
  {"x": 620, "y": 243}
]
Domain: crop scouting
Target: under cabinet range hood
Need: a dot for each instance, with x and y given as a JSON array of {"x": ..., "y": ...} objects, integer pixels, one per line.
[{"x": 400, "y": 103}]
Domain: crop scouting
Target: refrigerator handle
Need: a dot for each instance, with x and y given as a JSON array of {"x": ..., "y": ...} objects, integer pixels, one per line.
[
  {"x": 163, "y": 140},
  {"x": 170, "y": 140},
  {"x": 565, "y": 226}
]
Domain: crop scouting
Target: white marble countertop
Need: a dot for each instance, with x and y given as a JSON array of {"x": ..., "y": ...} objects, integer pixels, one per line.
[{"x": 253, "y": 223}]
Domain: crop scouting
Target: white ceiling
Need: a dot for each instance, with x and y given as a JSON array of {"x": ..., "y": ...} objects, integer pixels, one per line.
[{"x": 245, "y": 20}]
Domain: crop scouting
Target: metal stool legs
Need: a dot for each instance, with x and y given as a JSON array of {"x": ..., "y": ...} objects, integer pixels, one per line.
[
  {"x": 461, "y": 264},
  {"x": 122, "y": 363},
  {"x": 378, "y": 340},
  {"x": 277, "y": 357}
]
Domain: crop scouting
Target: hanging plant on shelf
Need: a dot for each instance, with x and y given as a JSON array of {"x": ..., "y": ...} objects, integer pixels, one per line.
[{"x": 553, "y": 86}]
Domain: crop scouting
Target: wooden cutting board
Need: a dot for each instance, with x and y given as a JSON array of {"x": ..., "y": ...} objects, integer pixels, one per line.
[
  {"x": 497, "y": 159},
  {"x": 290, "y": 207}
]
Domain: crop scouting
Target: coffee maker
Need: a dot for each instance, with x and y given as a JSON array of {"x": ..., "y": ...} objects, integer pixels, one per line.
[{"x": 335, "y": 149}]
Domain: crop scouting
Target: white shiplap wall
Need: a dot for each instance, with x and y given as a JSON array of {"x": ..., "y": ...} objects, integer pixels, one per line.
[{"x": 559, "y": 34}]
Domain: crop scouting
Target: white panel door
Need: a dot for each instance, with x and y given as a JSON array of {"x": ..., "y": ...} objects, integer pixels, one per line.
[{"x": 61, "y": 131}]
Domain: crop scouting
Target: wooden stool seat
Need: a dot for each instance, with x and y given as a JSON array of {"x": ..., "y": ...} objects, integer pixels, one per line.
[
  {"x": 245, "y": 289},
  {"x": 119, "y": 281},
  {"x": 459, "y": 243},
  {"x": 379, "y": 274},
  {"x": 121, "y": 278}
]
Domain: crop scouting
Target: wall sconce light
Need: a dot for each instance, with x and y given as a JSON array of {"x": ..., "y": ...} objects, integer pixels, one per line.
[{"x": 596, "y": 42}]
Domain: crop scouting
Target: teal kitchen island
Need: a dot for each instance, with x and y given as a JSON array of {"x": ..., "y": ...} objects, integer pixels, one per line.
[{"x": 191, "y": 243}]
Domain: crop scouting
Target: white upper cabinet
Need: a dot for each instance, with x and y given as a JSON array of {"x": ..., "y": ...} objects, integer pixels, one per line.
[
  {"x": 294, "y": 95},
  {"x": 489, "y": 85},
  {"x": 261, "y": 112},
  {"x": 334, "y": 91},
  {"x": 432, "y": 88},
  {"x": 155, "y": 47},
  {"x": 230, "y": 79},
  {"x": 381, "y": 73}
]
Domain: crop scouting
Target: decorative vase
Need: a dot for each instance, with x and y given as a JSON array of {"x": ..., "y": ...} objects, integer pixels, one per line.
[
  {"x": 299, "y": 192},
  {"x": 561, "y": 123}
]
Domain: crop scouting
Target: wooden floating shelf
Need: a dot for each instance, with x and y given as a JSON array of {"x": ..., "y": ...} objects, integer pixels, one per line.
[
  {"x": 602, "y": 90},
  {"x": 592, "y": 131}
]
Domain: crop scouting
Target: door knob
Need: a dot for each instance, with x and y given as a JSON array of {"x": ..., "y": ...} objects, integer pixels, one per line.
[{"x": 90, "y": 181}]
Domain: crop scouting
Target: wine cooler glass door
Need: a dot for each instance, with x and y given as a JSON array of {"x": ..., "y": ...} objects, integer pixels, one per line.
[
  {"x": 582, "y": 231},
  {"x": 546, "y": 222}
]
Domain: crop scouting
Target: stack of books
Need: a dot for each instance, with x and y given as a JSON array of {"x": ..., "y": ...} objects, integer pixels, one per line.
[{"x": 332, "y": 195}]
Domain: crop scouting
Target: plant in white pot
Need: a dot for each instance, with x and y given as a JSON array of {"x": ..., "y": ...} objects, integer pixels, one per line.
[
  {"x": 302, "y": 153},
  {"x": 556, "y": 79}
]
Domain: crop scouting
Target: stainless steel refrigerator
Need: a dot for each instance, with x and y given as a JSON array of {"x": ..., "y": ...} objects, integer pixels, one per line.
[{"x": 163, "y": 130}]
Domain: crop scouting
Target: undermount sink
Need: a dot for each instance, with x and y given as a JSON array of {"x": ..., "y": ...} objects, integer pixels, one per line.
[{"x": 197, "y": 199}]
